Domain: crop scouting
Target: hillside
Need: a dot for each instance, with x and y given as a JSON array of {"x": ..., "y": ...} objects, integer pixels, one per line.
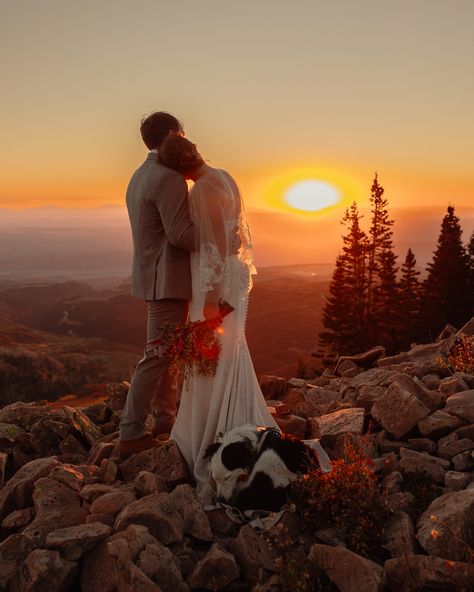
[{"x": 70, "y": 333}]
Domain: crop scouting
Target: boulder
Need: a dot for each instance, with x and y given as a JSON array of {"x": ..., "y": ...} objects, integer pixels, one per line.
[
  {"x": 9, "y": 431},
  {"x": 3, "y": 466},
  {"x": 464, "y": 461},
  {"x": 99, "y": 451},
  {"x": 56, "y": 505},
  {"x": 13, "y": 552},
  {"x": 23, "y": 414},
  {"x": 147, "y": 483},
  {"x": 168, "y": 516},
  {"x": 329, "y": 427},
  {"x": 427, "y": 352},
  {"x": 448, "y": 450},
  {"x": 367, "y": 396},
  {"x": 103, "y": 567},
  {"x": 363, "y": 360},
  {"x": 45, "y": 570},
  {"x": 68, "y": 475},
  {"x": 452, "y": 385},
  {"x": 320, "y": 395},
  {"x": 414, "y": 462},
  {"x": 113, "y": 502},
  {"x": 165, "y": 460},
  {"x": 423, "y": 572},
  {"x": 462, "y": 405},
  {"x": 373, "y": 377},
  {"x": 347, "y": 570},
  {"x": 438, "y": 424},
  {"x": 159, "y": 564},
  {"x": 273, "y": 387},
  {"x": 457, "y": 480},
  {"x": 215, "y": 570},
  {"x": 446, "y": 528},
  {"x": 253, "y": 552},
  {"x": 82, "y": 424},
  {"x": 18, "y": 519},
  {"x": 422, "y": 445},
  {"x": 17, "y": 493},
  {"x": 294, "y": 397},
  {"x": 398, "y": 410},
  {"x": 292, "y": 424},
  {"x": 400, "y": 536},
  {"x": 73, "y": 542}
]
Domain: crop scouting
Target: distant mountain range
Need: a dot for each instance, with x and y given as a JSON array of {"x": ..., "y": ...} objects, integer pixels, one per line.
[{"x": 61, "y": 244}]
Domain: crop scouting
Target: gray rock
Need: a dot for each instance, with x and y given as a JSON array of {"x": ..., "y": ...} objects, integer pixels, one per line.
[
  {"x": 19, "y": 518},
  {"x": 113, "y": 502},
  {"x": 462, "y": 405},
  {"x": 457, "y": 480},
  {"x": 349, "y": 571},
  {"x": 373, "y": 377},
  {"x": 273, "y": 387},
  {"x": 329, "y": 427},
  {"x": 292, "y": 424},
  {"x": 368, "y": 395},
  {"x": 445, "y": 529},
  {"x": 24, "y": 414},
  {"x": 13, "y": 552},
  {"x": 414, "y": 462},
  {"x": 165, "y": 460},
  {"x": 398, "y": 410},
  {"x": 452, "y": 385},
  {"x": 214, "y": 571},
  {"x": 422, "y": 572},
  {"x": 45, "y": 570},
  {"x": 69, "y": 476},
  {"x": 463, "y": 461},
  {"x": 253, "y": 553},
  {"x": 159, "y": 564},
  {"x": 450, "y": 449},
  {"x": 56, "y": 505},
  {"x": 17, "y": 493},
  {"x": 438, "y": 424},
  {"x": 422, "y": 445},
  {"x": 400, "y": 536},
  {"x": 3, "y": 466},
  {"x": 147, "y": 483},
  {"x": 321, "y": 395},
  {"x": 73, "y": 542}
]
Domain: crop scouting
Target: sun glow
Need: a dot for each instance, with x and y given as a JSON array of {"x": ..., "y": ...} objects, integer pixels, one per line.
[
  {"x": 310, "y": 191},
  {"x": 312, "y": 195}
]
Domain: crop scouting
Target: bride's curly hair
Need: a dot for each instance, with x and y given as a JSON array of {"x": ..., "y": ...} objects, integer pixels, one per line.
[{"x": 180, "y": 154}]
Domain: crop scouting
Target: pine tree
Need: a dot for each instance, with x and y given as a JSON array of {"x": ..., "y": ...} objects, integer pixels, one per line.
[
  {"x": 344, "y": 314},
  {"x": 409, "y": 289},
  {"x": 470, "y": 250},
  {"x": 381, "y": 273},
  {"x": 446, "y": 297}
]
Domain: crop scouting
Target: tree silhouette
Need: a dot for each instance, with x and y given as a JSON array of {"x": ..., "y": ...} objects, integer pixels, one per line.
[
  {"x": 408, "y": 315},
  {"x": 344, "y": 314},
  {"x": 446, "y": 297},
  {"x": 381, "y": 302}
]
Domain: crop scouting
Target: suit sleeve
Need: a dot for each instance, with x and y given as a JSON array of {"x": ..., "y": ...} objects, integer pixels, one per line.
[{"x": 174, "y": 211}]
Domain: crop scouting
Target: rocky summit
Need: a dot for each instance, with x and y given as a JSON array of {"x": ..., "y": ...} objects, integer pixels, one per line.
[{"x": 75, "y": 518}]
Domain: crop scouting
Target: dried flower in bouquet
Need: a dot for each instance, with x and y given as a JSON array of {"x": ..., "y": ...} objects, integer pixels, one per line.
[{"x": 194, "y": 347}]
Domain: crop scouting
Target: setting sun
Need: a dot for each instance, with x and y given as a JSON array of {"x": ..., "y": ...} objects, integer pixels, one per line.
[
  {"x": 312, "y": 195},
  {"x": 310, "y": 191}
]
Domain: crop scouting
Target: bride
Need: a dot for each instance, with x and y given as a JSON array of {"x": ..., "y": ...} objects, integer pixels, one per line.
[{"x": 221, "y": 267}]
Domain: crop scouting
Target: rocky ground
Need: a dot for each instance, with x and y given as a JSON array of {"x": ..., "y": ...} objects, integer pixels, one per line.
[{"x": 73, "y": 518}]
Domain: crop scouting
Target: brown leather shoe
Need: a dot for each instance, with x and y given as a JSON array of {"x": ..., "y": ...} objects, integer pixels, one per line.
[
  {"x": 145, "y": 442},
  {"x": 164, "y": 437}
]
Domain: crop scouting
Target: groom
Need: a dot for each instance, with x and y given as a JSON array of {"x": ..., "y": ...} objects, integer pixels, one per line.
[{"x": 163, "y": 235}]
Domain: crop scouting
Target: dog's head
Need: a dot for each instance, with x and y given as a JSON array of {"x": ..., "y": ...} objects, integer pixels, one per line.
[{"x": 231, "y": 462}]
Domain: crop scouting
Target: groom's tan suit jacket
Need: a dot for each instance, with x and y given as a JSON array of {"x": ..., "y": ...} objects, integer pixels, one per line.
[{"x": 162, "y": 232}]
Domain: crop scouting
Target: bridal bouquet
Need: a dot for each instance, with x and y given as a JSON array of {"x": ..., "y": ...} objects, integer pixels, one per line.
[{"x": 194, "y": 347}]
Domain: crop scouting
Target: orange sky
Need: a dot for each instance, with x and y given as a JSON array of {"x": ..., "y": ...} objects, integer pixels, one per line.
[{"x": 337, "y": 90}]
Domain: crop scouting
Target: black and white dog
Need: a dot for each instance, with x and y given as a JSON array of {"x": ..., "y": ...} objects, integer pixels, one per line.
[{"x": 252, "y": 466}]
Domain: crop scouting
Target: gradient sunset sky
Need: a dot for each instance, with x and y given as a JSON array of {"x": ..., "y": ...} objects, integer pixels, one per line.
[{"x": 273, "y": 91}]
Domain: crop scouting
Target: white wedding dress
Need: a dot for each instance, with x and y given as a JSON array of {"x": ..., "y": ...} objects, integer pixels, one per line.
[{"x": 223, "y": 266}]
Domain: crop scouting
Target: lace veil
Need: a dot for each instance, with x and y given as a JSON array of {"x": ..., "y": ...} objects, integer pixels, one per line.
[{"x": 222, "y": 232}]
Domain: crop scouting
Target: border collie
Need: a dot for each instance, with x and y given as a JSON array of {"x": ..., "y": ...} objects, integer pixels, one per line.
[{"x": 252, "y": 466}]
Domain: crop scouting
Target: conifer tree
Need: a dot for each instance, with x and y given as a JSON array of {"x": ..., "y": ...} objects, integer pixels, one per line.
[
  {"x": 409, "y": 302},
  {"x": 446, "y": 297},
  {"x": 381, "y": 272},
  {"x": 344, "y": 314},
  {"x": 470, "y": 250}
]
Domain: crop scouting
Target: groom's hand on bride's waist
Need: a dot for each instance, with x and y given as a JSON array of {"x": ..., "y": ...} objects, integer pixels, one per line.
[{"x": 212, "y": 314}]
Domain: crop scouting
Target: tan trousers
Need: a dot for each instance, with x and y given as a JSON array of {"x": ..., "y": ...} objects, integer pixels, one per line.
[{"x": 153, "y": 388}]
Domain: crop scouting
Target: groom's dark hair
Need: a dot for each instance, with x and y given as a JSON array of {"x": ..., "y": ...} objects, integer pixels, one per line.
[{"x": 155, "y": 127}]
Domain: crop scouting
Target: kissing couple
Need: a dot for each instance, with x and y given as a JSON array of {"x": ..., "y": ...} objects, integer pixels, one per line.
[{"x": 190, "y": 250}]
